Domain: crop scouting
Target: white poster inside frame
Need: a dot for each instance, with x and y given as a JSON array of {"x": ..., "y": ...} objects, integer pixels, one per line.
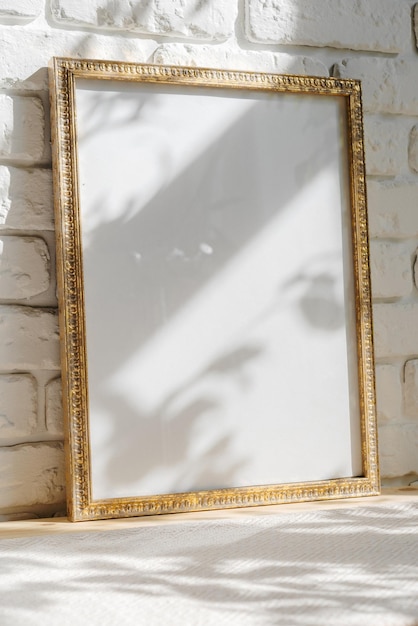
[{"x": 221, "y": 318}]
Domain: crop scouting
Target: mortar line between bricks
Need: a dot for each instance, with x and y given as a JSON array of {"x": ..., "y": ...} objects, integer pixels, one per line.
[
  {"x": 409, "y": 299},
  {"x": 24, "y": 92},
  {"x": 398, "y": 178},
  {"x": 44, "y": 165},
  {"x": 30, "y": 443},
  {"x": 21, "y": 164},
  {"x": 28, "y": 305},
  {"x": 41, "y": 233}
]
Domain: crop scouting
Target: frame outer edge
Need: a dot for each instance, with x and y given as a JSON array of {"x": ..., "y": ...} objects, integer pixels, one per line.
[
  {"x": 54, "y": 89},
  {"x": 69, "y": 257},
  {"x": 365, "y": 344},
  {"x": 69, "y": 282}
]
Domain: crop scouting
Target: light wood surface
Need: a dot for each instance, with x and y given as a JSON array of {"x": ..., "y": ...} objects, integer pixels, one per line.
[{"x": 28, "y": 528}]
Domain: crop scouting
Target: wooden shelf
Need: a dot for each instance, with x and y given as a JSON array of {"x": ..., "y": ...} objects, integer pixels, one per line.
[{"x": 27, "y": 528}]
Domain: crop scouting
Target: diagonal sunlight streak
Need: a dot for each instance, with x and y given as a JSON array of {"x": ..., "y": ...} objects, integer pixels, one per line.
[
  {"x": 268, "y": 315},
  {"x": 225, "y": 309}
]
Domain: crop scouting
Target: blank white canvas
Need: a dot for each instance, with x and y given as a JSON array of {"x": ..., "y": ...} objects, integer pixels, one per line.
[{"x": 218, "y": 290}]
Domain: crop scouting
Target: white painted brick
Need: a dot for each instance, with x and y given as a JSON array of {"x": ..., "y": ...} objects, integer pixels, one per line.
[
  {"x": 53, "y": 404},
  {"x": 391, "y": 269},
  {"x": 386, "y": 146},
  {"x": 388, "y": 85},
  {"x": 415, "y": 23},
  {"x": 398, "y": 446},
  {"x": 29, "y": 338},
  {"x": 413, "y": 149},
  {"x": 411, "y": 388},
  {"x": 31, "y": 474},
  {"x": 392, "y": 208},
  {"x": 415, "y": 269},
  {"x": 26, "y": 199},
  {"x": 378, "y": 25},
  {"x": 18, "y": 405},
  {"x": 388, "y": 393},
  {"x": 212, "y": 20},
  {"x": 16, "y": 517},
  {"x": 29, "y": 69},
  {"x": 396, "y": 329},
  {"x": 24, "y": 267},
  {"x": 223, "y": 57},
  {"x": 21, "y": 128},
  {"x": 20, "y": 10}
]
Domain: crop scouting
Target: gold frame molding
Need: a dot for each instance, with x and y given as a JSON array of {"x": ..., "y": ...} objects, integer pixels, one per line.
[{"x": 63, "y": 73}]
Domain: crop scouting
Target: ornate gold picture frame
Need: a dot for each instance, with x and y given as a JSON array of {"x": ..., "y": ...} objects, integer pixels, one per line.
[{"x": 214, "y": 290}]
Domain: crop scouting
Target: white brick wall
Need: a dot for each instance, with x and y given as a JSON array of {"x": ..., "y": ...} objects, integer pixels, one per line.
[
  {"x": 374, "y": 40},
  {"x": 21, "y": 128},
  {"x": 24, "y": 269},
  {"x": 389, "y": 393},
  {"x": 377, "y": 25},
  {"x": 29, "y": 338},
  {"x": 225, "y": 57},
  {"x": 35, "y": 473},
  {"x": 413, "y": 149},
  {"x": 411, "y": 388},
  {"x": 386, "y": 146},
  {"x": 391, "y": 269},
  {"x": 15, "y": 11},
  {"x": 396, "y": 329},
  {"x": 392, "y": 205},
  {"x": 19, "y": 405},
  {"x": 389, "y": 85},
  {"x": 212, "y": 20},
  {"x": 26, "y": 199},
  {"x": 53, "y": 407}
]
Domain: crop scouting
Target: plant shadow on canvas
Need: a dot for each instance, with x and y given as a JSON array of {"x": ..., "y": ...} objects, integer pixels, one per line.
[{"x": 214, "y": 287}]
